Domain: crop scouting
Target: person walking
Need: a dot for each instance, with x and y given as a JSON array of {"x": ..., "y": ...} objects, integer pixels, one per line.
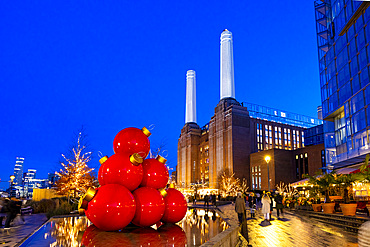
[
  {"x": 214, "y": 200},
  {"x": 12, "y": 210},
  {"x": 279, "y": 204},
  {"x": 206, "y": 200},
  {"x": 240, "y": 207},
  {"x": 266, "y": 201}
]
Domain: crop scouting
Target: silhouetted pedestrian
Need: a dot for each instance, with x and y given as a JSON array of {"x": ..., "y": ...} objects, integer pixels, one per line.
[
  {"x": 214, "y": 200},
  {"x": 279, "y": 204},
  {"x": 206, "y": 200},
  {"x": 240, "y": 207}
]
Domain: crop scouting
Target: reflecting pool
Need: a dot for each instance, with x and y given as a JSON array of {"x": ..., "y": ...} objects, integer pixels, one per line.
[{"x": 197, "y": 227}]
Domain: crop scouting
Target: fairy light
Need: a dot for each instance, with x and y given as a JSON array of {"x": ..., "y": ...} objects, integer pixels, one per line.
[{"x": 75, "y": 175}]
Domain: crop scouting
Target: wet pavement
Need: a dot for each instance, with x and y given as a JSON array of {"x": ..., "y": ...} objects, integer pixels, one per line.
[
  {"x": 291, "y": 230},
  {"x": 20, "y": 230}
]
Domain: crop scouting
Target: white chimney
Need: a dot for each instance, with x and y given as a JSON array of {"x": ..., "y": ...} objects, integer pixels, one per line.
[
  {"x": 191, "y": 114},
  {"x": 227, "y": 87}
]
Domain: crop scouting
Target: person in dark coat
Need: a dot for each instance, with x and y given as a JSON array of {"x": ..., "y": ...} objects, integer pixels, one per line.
[
  {"x": 206, "y": 200},
  {"x": 12, "y": 208},
  {"x": 279, "y": 204},
  {"x": 214, "y": 200},
  {"x": 240, "y": 207}
]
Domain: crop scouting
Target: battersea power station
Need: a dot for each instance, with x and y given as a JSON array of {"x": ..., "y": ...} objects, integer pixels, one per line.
[{"x": 240, "y": 135}]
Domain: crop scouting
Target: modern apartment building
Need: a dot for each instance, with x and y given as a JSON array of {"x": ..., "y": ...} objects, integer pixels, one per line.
[{"x": 343, "y": 37}]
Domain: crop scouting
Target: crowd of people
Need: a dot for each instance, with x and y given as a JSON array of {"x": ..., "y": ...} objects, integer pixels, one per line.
[{"x": 265, "y": 202}]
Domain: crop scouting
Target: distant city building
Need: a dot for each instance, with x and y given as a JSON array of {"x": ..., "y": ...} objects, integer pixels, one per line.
[
  {"x": 30, "y": 182},
  {"x": 319, "y": 112},
  {"x": 18, "y": 170},
  {"x": 239, "y": 130},
  {"x": 343, "y": 37}
]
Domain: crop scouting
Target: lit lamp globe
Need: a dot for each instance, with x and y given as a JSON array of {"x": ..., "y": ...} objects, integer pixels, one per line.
[{"x": 267, "y": 158}]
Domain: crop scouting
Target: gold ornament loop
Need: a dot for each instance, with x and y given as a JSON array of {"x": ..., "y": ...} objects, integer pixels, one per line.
[
  {"x": 163, "y": 192},
  {"x": 146, "y": 131},
  {"x": 161, "y": 159},
  {"x": 136, "y": 159},
  {"x": 103, "y": 159},
  {"x": 89, "y": 195}
]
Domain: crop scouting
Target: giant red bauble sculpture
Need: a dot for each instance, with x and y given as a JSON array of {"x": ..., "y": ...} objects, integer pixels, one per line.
[
  {"x": 155, "y": 173},
  {"x": 132, "y": 140},
  {"x": 111, "y": 207},
  {"x": 176, "y": 206},
  {"x": 149, "y": 206},
  {"x": 121, "y": 169}
]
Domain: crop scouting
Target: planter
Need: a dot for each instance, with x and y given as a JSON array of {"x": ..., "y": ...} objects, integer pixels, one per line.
[
  {"x": 328, "y": 207},
  {"x": 316, "y": 207},
  {"x": 348, "y": 209}
]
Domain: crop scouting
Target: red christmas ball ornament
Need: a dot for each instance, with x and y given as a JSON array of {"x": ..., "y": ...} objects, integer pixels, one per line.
[
  {"x": 132, "y": 140},
  {"x": 110, "y": 207},
  {"x": 97, "y": 237},
  {"x": 88, "y": 235},
  {"x": 176, "y": 206},
  {"x": 149, "y": 206},
  {"x": 121, "y": 169},
  {"x": 155, "y": 173},
  {"x": 145, "y": 237},
  {"x": 172, "y": 235}
]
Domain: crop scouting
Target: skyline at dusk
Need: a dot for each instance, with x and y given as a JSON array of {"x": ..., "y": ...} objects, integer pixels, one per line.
[{"x": 108, "y": 66}]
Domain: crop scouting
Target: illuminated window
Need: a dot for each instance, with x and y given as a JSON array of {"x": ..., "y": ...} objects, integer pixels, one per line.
[{"x": 298, "y": 145}]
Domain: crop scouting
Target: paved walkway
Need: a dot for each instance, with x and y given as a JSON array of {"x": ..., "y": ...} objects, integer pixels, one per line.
[
  {"x": 291, "y": 230},
  {"x": 20, "y": 230}
]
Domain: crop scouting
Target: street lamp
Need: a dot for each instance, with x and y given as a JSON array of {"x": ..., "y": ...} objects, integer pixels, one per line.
[
  {"x": 12, "y": 177},
  {"x": 267, "y": 159}
]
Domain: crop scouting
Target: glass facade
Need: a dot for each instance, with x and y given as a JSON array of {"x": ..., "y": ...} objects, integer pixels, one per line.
[
  {"x": 279, "y": 116},
  {"x": 343, "y": 37},
  {"x": 314, "y": 135}
]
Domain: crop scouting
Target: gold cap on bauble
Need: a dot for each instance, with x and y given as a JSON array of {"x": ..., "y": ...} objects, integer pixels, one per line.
[
  {"x": 146, "y": 131},
  {"x": 89, "y": 195},
  {"x": 163, "y": 192},
  {"x": 161, "y": 159},
  {"x": 136, "y": 159},
  {"x": 103, "y": 159}
]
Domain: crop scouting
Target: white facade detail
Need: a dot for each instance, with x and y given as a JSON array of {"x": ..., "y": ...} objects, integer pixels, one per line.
[
  {"x": 227, "y": 87},
  {"x": 190, "y": 111}
]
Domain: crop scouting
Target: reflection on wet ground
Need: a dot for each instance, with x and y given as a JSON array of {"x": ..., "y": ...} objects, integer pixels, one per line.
[{"x": 197, "y": 227}]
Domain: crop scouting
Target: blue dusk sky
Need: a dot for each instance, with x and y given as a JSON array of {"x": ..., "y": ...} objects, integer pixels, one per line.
[{"x": 108, "y": 65}]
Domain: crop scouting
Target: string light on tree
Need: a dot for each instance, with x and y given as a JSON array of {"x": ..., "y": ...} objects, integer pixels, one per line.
[{"x": 75, "y": 176}]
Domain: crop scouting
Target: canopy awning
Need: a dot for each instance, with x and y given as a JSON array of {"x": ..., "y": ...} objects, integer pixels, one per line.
[{"x": 345, "y": 170}]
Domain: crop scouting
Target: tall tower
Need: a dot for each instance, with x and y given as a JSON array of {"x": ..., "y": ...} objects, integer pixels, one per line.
[
  {"x": 188, "y": 144},
  {"x": 190, "y": 112},
  {"x": 227, "y": 87},
  {"x": 229, "y": 128},
  {"x": 18, "y": 170}
]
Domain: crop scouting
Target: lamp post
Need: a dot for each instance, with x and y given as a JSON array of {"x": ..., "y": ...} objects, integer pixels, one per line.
[
  {"x": 12, "y": 177},
  {"x": 267, "y": 159}
]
